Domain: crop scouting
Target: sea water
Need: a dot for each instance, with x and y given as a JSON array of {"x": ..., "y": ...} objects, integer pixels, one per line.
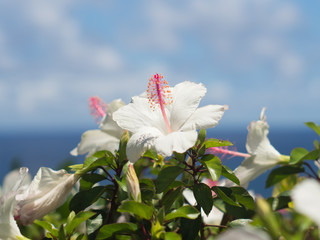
[{"x": 53, "y": 149}]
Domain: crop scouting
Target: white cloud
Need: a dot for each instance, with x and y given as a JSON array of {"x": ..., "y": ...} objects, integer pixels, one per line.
[{"x": 34, "y": 96}]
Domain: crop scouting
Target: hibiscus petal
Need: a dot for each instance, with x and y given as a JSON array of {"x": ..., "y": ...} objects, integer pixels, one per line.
[
  {"x": 139, "y": 114},
  {"x": 186, "y": 99},
  {"x": 115, "y": 105},
  {"x": 95, "y": 140},
  {"x": 258, "y": 142},
  {"x": 140, "y": 142},
  {"x": 204, "y": 117},
  {"x": 48, "y": 190},
  {"x": 176, "y": 141},
  {"x": 306, "y": 197},
  {"x": 249, "y": 169},
  {"x": 8, "y": 226}
]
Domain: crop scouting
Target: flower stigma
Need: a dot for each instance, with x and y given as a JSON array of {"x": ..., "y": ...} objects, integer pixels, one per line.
[
  {"x": 159, "y": 94},
  {"x": 98, "y": 108}
]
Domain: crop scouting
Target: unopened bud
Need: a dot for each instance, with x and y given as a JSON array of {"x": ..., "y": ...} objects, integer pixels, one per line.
[{"x": 133, "y": 186}]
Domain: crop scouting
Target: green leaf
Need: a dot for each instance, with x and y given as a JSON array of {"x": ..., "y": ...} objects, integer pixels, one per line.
[
  {"x": 190, "y": 228},
  {"x": 212, "y": 142},
  {"x": 166, "y": 177},
  {"x": 279, "y": 202},
  {"x": 297, "y": 154},
  {"x": 151, "y": 154},
  {"x": 88, "y": 180},
  {"x": 202, "y": 136},
  {"x": 228, "y": 173},
  {"x": 213, "y": 164},
  {"x": 169, "y": 198},
  {"x": 47, "y": 226},
  {"x": 314, "y": 127},
  {"x": 77, "y": 220},
  {"x": 101, "y": 158},
  {"x": 300, "y": 154},
  {"x": 243, "y": 197},
  {"x": 203, "y": 195},
  {"x": 123, "y": 145},
  {"x": 280, "y": 173},
  {"x": 172, "y": 236},
  {"x": 62, "y": 235},
  {"x": 139, "y": 209},
  {"x": 225, "y": 194},
  {"x": 183, "y": 212},
  {"x": 109, "y": 230},
  {"x": 84, "y": 199}
]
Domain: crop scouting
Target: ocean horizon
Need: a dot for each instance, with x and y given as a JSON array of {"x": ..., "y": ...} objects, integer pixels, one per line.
[{"x": 34, "y": 150}]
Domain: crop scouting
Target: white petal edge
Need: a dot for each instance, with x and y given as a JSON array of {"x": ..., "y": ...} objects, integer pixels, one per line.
[
  {"x": 204, "y": 117},
  {"x": 95, "y": 140},
  {"x": 249, "y": 170},
  {"x": 8, "y": 227},
  {"x": 175, "y": 142},
  {"x": 186, "y": 98},
  {"x": 138, "y": 114},
  {"x": 47, "y": 191},
  {"x": 306, "y": 197},
  {"x": 140, "y": 142}
]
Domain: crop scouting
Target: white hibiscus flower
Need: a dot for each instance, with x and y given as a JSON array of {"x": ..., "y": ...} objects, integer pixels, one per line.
[
  {"x": 105, "y": 138},
  {"x": 263, "y": 156},
  {"x": 47, "y": 191},
  {"x": 166, "y": 119},
  {"x": 14, "y": 183}
]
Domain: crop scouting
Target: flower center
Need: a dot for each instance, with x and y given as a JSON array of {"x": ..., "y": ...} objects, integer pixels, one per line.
[
  {"x": 159, "y": 94},
  {"x": 98, "y": 108}
]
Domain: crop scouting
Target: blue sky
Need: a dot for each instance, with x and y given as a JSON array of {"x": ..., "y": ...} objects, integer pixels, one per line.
[{"x": 248, "y": 53}]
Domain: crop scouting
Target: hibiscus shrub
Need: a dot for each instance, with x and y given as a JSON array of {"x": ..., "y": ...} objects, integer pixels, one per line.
[{"x": 151, "y": 173}]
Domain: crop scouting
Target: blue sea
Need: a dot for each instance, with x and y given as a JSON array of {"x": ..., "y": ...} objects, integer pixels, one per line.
[{"x": 52, "y": 149}]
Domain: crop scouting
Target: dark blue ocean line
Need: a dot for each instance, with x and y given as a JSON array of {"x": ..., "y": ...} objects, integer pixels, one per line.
[{"x": 34, "y": 150}]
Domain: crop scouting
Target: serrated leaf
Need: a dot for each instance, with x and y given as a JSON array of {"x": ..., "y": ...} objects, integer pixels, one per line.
[
  {"x": 228, "y": 173},
  {"x": 84, "y": 199},
  {"x": 183, "y": 212},
  {"x": 203, "y": 195},
  {"x": 212, "y": 142},
  {"x": 213, "y": 164},
  {"x": 166, "y": 177},
  {"x": 109, "y": 230},
  {"x": 280, "y": 173},
  {"x": 77, "y": 220},
  {"x": 139, "y": 209},
  {"x": 314, "y": 127}
]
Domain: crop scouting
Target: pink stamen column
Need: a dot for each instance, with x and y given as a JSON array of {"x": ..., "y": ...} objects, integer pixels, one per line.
[{"x": 159, "y": 93}]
